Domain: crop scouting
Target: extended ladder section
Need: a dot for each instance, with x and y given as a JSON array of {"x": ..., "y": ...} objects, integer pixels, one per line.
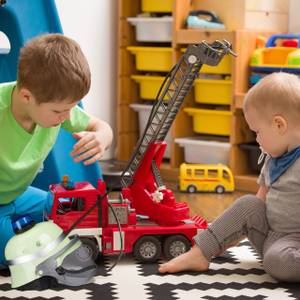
[{"x": 170, "y": 97}]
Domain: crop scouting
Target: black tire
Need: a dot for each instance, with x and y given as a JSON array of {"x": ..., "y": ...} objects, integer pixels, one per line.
[
  {"x": 147, "y": 249},
  {"x": 220, "y": 189},
  {"x": 91, "y": 247},
  {"x": 191, "y": 189},
  {"x": 175, "y": 245}
]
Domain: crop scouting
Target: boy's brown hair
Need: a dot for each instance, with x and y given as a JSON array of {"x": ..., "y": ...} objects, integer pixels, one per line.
[
  {"x": 275, "y": 94},
  {"x": 53, "y": 68}
]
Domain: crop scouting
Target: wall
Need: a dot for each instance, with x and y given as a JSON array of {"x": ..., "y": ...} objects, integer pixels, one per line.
[
  {"x": 93, "y": 25},
  {"x": 294, "y": 20}
]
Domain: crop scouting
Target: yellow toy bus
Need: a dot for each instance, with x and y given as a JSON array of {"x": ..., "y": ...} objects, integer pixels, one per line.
[{"x": 205, "y": 178}]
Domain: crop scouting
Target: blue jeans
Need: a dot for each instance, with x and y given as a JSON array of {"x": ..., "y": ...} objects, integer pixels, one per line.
[{"x": 34, "y": 202}]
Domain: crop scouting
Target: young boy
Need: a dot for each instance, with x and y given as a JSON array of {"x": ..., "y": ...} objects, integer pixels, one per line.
[
  {"x": 53, "y": 75},
  {"x": 270, "y": 219}
]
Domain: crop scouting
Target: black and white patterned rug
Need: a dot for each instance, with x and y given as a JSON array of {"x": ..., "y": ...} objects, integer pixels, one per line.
[{"x": 236, "y": 275}]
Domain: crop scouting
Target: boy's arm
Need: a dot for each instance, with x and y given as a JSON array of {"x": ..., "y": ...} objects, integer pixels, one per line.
[
  {"x": 92, "y": 142},
  {"x": 262, "y": 192}
]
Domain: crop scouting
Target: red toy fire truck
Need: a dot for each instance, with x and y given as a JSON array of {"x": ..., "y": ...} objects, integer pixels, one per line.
[{"x": 146, "y": 219}]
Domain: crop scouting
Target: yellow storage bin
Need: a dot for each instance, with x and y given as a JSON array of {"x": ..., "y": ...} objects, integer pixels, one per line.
[
  {"x": 224, "y": 67},
  {"x": 210, "y": 121},
  {"x": 157, "y": 5},
  {"x": 152, "y": 58},
  {"x": 213, "y": 91},
  {"x": 149, "y": 85}
]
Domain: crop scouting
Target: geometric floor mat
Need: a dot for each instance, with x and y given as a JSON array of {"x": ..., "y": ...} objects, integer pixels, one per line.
[{"x": 238, "y": 274}]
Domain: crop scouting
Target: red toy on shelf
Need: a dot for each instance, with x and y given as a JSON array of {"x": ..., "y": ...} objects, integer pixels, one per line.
[{"x": 146, "y": 219}]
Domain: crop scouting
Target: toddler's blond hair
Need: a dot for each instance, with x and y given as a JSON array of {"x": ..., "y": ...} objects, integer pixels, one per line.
[{"x": 276, "y": 94}]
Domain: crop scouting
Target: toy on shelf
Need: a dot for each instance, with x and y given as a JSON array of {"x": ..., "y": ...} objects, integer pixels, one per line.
[
  {"x": 146, "y": 219},
  {"x": 203, "y": 19},
  {"x": 281, "y": 53},
  {"x": 205, "y": 178}
]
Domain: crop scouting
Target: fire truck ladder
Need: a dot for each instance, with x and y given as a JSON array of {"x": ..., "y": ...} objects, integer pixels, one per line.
[{"x": 170, "y": 97}]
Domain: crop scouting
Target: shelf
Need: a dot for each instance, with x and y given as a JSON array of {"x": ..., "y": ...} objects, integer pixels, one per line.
[
  {"x": 192, "y": 36},
  {"x": 239, "y": 100},
  {"x": 243, "y": 41}
]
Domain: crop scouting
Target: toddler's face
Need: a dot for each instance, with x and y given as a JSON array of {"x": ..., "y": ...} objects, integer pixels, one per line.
[
  {"x": 51, "y": 114},
  {"x": 267, "y": 136}
]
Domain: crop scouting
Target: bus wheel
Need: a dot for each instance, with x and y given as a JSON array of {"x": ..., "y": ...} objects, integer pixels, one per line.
[
  {"x": 220, "y": 189},
  {"x": 192, "y": 189},
  {"x": 147, "y": 249},
  {"x": 175, "y": 245}
]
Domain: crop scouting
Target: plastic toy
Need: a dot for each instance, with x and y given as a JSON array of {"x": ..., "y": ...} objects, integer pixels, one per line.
[
  {"x": 42, "y": 249},
  {"x": 205, "y": 178},
  {"x": 204, "y": 19},
  {"x": 146, "y": 219},
  {"x": 273, "y": 58}
]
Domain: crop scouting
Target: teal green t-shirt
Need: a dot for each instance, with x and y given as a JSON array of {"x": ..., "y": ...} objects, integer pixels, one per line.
[{"x": 22, "y": 153}]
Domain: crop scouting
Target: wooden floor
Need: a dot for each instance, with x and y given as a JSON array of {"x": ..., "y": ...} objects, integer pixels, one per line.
[{"x": 207, "y": 205}]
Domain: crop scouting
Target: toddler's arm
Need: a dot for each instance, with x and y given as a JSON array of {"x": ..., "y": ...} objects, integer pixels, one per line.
[{"x": 262, "y": 192}]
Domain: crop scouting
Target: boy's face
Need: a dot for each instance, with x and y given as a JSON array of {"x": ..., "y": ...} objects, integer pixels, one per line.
[
  {"x": 50, "y": 114},
  {"x": 268, "y": 135}
]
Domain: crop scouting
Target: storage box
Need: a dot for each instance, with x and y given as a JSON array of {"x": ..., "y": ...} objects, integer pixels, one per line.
[
  {"x": 152, "y": 29},
  {"x": 197, "y": 151},
  {"x": 269, "y": 15},
  {"x": 152, "y": 58},
  {"x": 224, "y": 67},
  {"x": 157, "y": 5},
  {"x": 210, "y": 121},
  {"x": 144, "y": 111},
  {"x": 148, "y": 85},
  {"x": 213, "y": 91}
]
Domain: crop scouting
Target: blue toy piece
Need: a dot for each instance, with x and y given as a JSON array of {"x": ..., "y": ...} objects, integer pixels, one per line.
[
  {"x": 204, "y": 19},
  {"x": 273, "y": 38},
  {"x": 20, "y": 21}
]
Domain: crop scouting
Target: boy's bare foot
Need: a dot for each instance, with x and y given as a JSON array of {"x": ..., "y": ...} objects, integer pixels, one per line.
[{"x": 193, "y": 260}]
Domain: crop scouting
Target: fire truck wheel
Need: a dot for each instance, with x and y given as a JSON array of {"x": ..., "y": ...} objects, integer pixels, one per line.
[
  {"x": 175, "y": 245},
  {"x": 91, "y": 247},
  {"x": 191, "y": 189},
  {"x": 147, "y": 249}
]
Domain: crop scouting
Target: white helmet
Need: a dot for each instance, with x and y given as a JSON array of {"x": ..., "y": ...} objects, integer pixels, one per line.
[{"x": 42, "y": 249}]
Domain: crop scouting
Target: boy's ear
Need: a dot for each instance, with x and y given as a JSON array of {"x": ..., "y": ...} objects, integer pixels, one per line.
[
  {"x": 280, "y": 124},
  {"x": 25, "y": 95}
]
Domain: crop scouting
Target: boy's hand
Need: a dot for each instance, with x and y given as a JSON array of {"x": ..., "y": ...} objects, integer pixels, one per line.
[
  {"x": 88, "y": 148},
  {"x": 92, "y": 143}
]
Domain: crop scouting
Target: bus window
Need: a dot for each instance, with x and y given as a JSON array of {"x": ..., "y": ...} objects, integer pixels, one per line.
[
  {"x": 189, "y": 172},
  {"x": 213, "y": 173},
  {"x": 226, "y": 175},
  {"x": 199, "y": 173}
]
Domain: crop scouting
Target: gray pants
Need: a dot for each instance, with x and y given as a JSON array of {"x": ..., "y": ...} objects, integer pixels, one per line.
[{"x": 247, "y": 217}]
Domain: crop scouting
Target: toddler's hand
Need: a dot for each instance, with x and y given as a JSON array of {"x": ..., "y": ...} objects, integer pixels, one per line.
[{"x": 90, "y": 146}]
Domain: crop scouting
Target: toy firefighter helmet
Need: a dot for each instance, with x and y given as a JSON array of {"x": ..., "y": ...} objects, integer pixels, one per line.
[{"x": 42, "y": 249}]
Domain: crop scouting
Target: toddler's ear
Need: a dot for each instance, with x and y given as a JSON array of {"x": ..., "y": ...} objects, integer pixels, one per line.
[{"x": 280, "y": 124}]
